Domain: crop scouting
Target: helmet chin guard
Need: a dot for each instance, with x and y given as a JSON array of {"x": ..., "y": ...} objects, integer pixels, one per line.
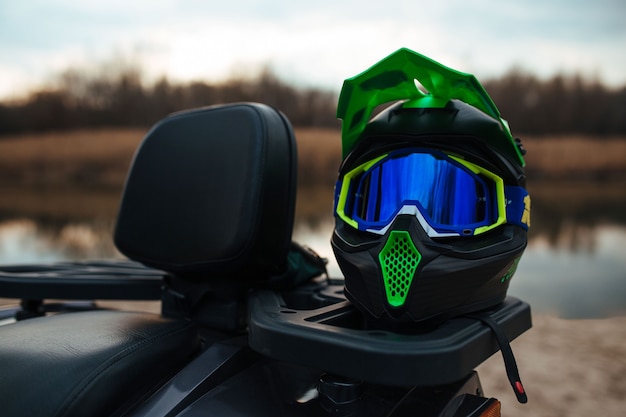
[{"x": 405, "y": 277}]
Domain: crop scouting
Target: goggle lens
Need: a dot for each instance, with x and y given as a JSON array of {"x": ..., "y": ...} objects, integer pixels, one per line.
[
  {"x": 444, "y": 191},
  {"x": 448, "y": 195}
]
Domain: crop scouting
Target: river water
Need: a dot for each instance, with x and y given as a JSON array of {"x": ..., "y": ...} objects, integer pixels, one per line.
[{"x": 574, "y": 266}]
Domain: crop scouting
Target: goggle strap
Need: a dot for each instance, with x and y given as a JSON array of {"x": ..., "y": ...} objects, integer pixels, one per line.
[
  {"x": 517, "y": 206},
  {"x": 507, "y": 354},
  {"x": 338, "y": 185}
]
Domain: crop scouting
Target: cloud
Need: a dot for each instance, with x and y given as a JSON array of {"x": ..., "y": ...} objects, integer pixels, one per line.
[{"x": 320, "y": 42}]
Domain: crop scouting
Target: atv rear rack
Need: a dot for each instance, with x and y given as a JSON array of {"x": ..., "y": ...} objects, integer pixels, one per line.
[{"x": 318, "y": 327}]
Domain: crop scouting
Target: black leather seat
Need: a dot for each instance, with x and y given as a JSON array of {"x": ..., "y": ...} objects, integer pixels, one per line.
[{"x": 89, "y": 363}]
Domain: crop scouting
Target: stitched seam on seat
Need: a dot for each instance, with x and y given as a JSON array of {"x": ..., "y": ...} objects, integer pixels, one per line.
[{"x": 93, "y": 376}]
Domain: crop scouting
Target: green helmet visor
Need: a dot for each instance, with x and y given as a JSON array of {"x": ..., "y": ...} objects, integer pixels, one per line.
[{"x": 394, "y": 78}]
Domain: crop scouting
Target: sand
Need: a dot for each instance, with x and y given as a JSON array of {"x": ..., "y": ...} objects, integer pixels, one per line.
[{"x": 569, "y": 368}]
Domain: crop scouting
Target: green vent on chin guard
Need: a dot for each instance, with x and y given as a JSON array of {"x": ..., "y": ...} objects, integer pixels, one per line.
[{"x": 399, "y": 260}]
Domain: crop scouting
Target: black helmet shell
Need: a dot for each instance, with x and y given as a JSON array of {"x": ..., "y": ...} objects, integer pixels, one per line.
[{"x": 442, "y": 277}]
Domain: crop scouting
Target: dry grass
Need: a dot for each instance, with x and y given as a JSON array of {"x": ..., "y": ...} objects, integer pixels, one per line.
[
  {"x": 80, "y": 157},
  {"x": 100, "y": 158},
  {"x": 319, "y": 156},
  {"x": 559, "y": 156},
  {"x": 78, "y": 204}
]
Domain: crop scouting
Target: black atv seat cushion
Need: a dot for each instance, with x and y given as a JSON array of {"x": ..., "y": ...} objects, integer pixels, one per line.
[{"x": 88, "y": 364}]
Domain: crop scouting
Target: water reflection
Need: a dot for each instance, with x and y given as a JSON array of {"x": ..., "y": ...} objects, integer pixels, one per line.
[
  {"x": 575, "y": 264},
  {"x": 568, "y": 214},
  {"x": 571, "y": 280},
  {"x": 28, "y": 241}
]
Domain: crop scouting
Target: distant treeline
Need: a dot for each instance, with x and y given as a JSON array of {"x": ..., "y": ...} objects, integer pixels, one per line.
[
  {"x": 561, "y": 105},
  {"x": 79, "y": 99}
]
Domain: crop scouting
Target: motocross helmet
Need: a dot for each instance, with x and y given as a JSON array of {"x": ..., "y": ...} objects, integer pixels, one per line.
[{"x": 431, "y": 211}]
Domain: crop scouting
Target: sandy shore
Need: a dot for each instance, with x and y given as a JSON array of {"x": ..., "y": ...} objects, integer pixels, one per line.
[{"x": 569, "y": 368}]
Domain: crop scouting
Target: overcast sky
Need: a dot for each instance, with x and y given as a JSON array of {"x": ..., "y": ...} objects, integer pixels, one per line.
[{"x": 313, "y": 42}]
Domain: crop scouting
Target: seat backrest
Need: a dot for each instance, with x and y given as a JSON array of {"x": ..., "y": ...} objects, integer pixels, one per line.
[{"x": 211, "y": 194}]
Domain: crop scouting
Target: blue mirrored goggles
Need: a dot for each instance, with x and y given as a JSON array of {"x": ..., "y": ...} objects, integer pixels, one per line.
[{"x": 447, "y": 194}]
